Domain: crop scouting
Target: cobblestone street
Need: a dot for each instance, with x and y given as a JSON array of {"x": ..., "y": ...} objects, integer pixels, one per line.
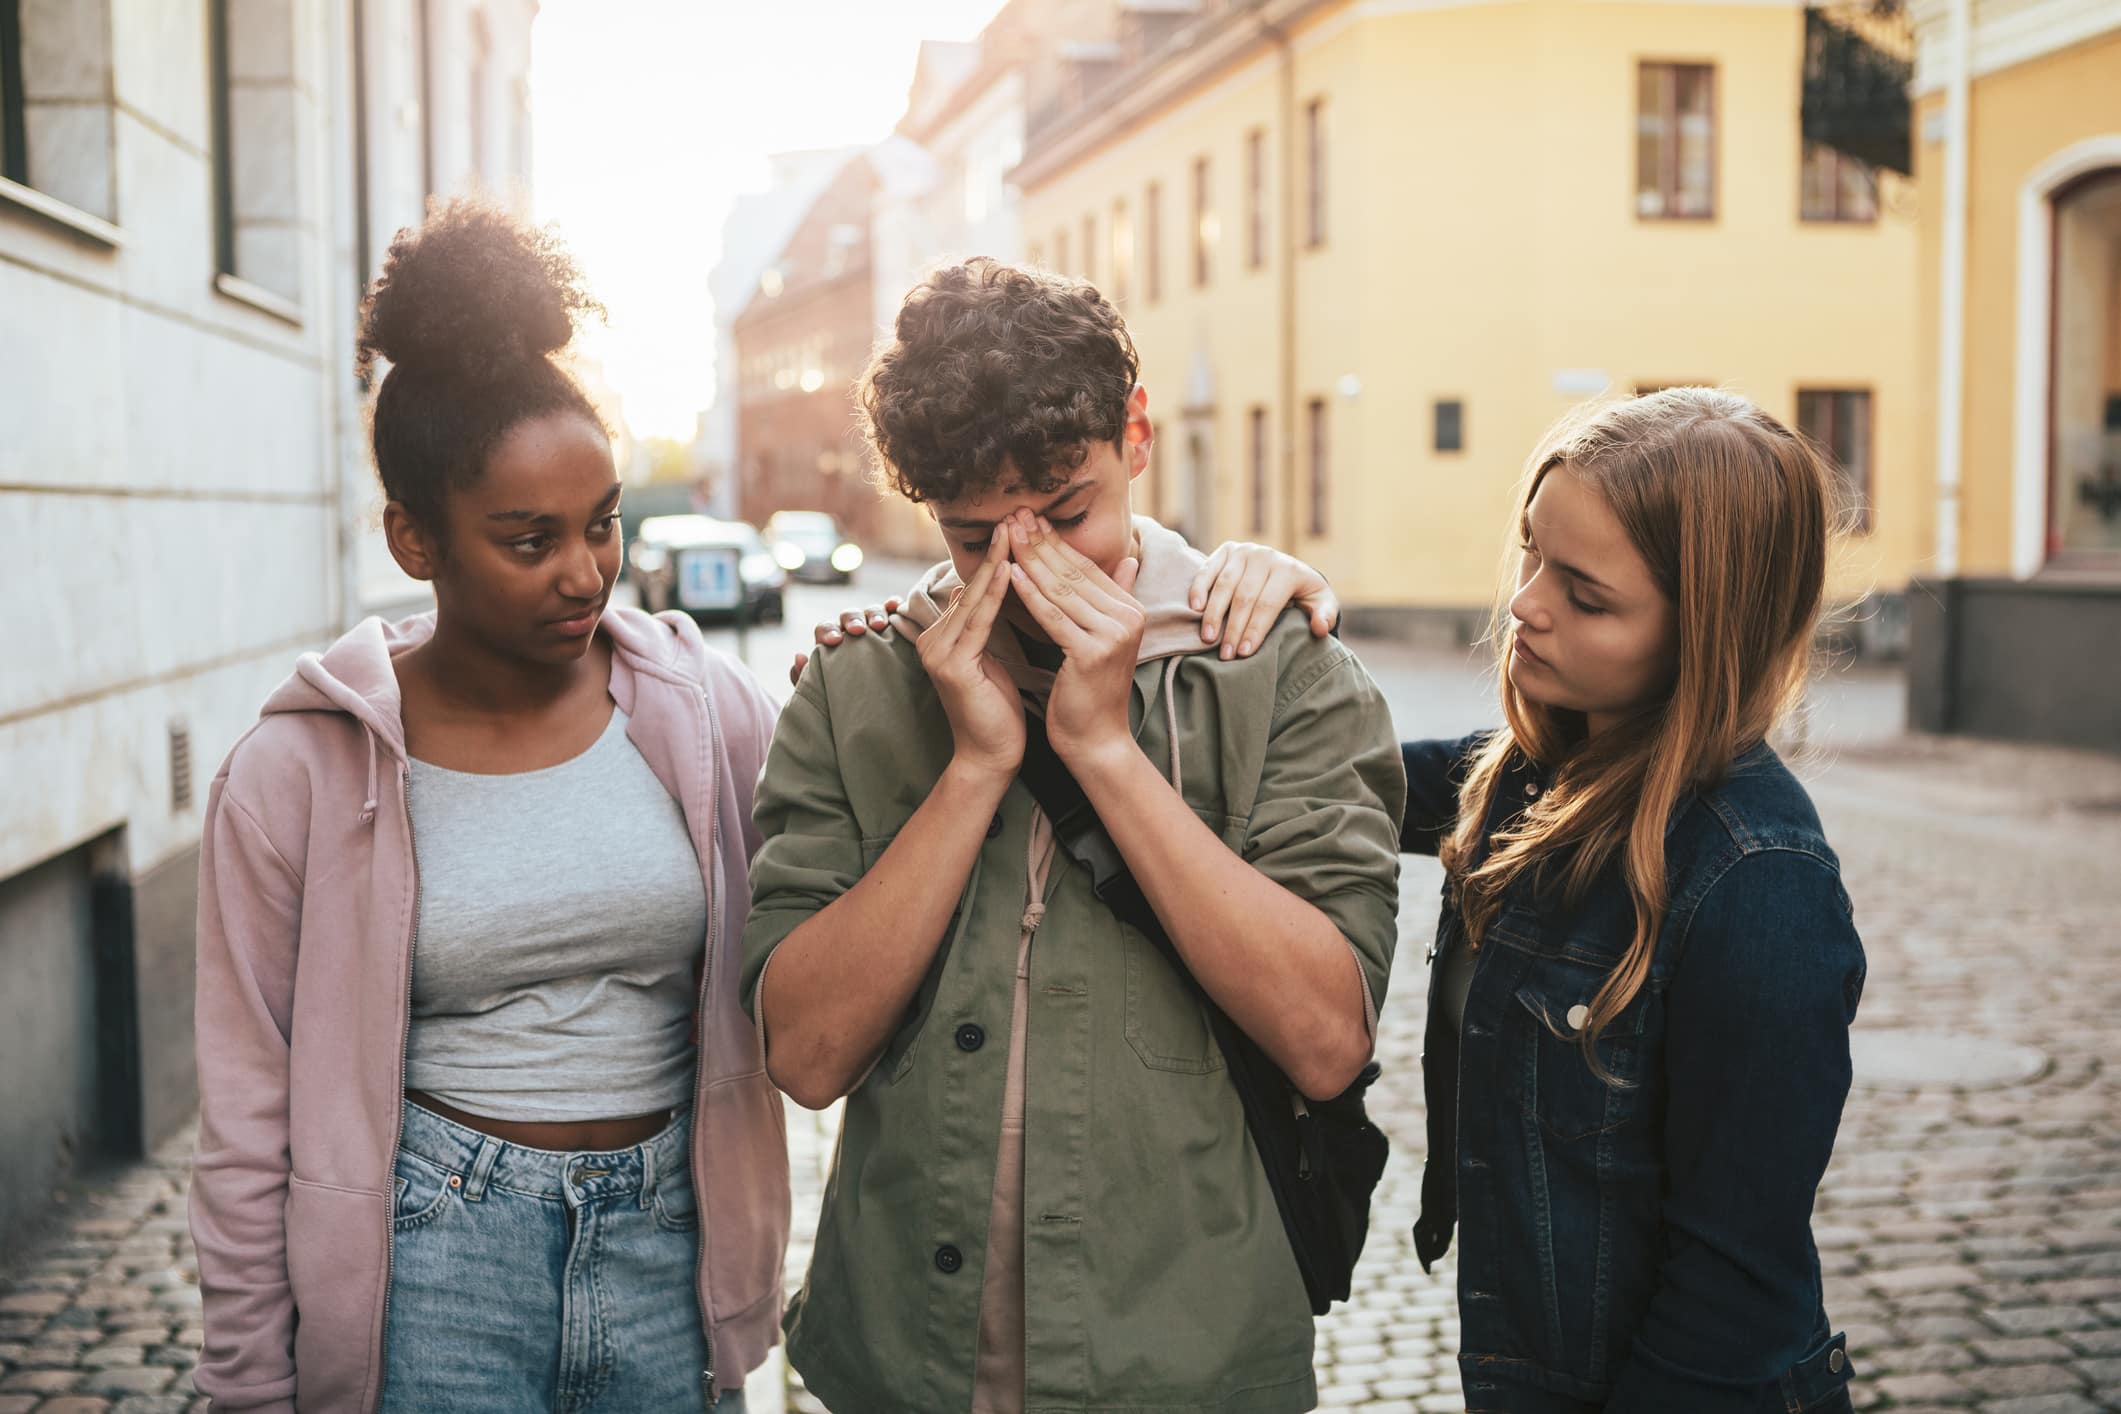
[{"x": 1970, "y": 1233}]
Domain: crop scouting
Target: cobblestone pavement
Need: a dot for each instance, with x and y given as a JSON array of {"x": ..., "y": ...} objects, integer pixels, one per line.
[{"x": 1971, "y": 1237}]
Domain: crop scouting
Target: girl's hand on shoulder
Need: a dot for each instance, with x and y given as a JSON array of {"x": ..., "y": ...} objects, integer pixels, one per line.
[
  {"x": 853, "y": 623},
  {"x": 1243, "y": 588}
]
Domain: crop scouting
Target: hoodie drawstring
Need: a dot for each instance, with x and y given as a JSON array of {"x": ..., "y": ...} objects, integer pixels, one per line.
[
  {"x": 1178, "y": 775},
  {"x": 368, "y": 806}
]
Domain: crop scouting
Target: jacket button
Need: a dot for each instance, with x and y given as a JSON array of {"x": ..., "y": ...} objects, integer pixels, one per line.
[
  {"x": 1578, "y": 1015},
  {"x": 1837, "y": 1362},
  {"x": 948, "y": 1259},
  {"x": 1531, "y": 790},
  {"x": 994, "y": 826},
  {"x": 970, "y": 1037}
]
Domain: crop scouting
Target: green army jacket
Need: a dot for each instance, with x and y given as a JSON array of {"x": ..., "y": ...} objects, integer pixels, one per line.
[{"x": 1157, "y": 1274}]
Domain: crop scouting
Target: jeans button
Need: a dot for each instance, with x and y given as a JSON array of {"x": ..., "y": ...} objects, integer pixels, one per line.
[
  {"x": 948, "y": 1259},
  {"x": 970, "y": 1037}
]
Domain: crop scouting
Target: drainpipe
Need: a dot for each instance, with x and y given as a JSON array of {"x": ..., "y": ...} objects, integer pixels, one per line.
[{"x": 1951, "y": 333}]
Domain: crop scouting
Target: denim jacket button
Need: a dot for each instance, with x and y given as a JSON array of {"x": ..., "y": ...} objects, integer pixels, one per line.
[
  {"x": 1837, "y": 1362},
  {"x": 1531, "y": 790},
  {"x": 1578, "y": 1015}
]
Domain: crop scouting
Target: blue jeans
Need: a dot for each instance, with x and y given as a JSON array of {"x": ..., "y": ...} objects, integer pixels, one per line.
[{"x": 525, "y": 1279}]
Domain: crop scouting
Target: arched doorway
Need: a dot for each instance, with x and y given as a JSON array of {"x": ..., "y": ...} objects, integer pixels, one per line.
[{"x": 2084, "y": 386}]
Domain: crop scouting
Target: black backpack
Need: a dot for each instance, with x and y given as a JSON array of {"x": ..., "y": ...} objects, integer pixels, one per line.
[{"x": 1323, "y": 1157}]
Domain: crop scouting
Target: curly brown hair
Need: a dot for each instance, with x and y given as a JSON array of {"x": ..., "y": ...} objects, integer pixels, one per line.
[
  {"x": 469, "y": 310},
  {"x": 996, "y": 372}
]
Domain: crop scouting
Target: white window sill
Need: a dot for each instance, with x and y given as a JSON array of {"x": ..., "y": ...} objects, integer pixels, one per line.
[
  {"x": 259, "y": 298},
  {"x": 72, "y": 218}
]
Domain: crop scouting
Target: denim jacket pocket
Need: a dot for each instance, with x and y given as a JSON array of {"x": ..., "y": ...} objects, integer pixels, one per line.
[
  {"x": 1819, "y": 1383},
  {"x": 1558, "y": 1086}
]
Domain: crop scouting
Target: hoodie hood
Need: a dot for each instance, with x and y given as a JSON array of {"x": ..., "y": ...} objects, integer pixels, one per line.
[
  {"x": 1168, "y": 565},
  {"x": 356, "y": 676}
]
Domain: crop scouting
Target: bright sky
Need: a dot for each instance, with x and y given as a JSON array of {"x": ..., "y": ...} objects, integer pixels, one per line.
[{"x": 649, "y": 116}]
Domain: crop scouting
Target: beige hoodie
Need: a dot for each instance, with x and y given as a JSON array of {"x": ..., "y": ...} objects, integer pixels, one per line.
[{"x": 1168, "y": 565}]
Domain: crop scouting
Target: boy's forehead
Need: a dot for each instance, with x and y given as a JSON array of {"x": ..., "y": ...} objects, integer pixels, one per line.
[{"x": 1011, "y": 494}]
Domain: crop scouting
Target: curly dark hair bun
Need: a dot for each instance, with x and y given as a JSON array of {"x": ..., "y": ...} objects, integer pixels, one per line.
[
  {"x": 469, "y": 310},
  {"x": 473, "y": 292},
  {"x": 996, "y": 372}
]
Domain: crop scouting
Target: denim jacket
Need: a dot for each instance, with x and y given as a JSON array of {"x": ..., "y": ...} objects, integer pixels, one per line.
[{"x": 1647, "y": 1246}]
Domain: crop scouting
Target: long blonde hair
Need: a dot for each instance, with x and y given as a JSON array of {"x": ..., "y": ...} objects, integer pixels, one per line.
[{"x": 1731, "y": 511}]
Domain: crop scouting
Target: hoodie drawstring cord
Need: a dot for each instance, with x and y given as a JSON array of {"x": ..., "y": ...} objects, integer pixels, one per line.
[
  {"x": 368, "y": 806},
  {"x": 1178, "y": 775}
]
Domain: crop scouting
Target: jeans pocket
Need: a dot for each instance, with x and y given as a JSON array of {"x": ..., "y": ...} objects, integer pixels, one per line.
[
  {"x": 421, "y": 1192},
  {"x": 675, "y": 1205}
]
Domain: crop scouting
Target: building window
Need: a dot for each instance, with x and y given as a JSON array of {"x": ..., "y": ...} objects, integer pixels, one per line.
[
  {"x": 1315, "y": 173},
  {"x": 1675, "y": 141},
  {"x": 257, "y": 209},
  {"x": 57, "y": 117},
  {"x": 1316, "y": 415},
  {"x": 1204, "y": 226},
  {"x": 14, "y": 134},
  {"x": 1090, "y": 249},
  {"x": 1255, "y": 199},
  {"x": 1837, "y": 187},
  {"x": 1256, "y": 466},
  {"x": 1122, "y": 252},
  {"x": 1450, "y": 425},
  {"x": 1839, "y": 420},
  {"x": 1153, "y": 243}
]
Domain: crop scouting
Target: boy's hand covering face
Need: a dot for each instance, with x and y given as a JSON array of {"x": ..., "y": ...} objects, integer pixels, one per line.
[
  {"x": 1091, "y": 617},
  {"x": 986, "y": 716}
]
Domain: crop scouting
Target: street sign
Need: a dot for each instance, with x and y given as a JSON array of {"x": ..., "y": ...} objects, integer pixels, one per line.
[{"x": 708, "y": 581}]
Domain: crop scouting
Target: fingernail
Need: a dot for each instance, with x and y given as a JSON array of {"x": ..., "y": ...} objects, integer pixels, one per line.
[
  {"x": 1245, "y": 647},
  {"x": 832, "y": 636},
  {"x": 1207, "y": 633},
  {"x": 1226, "y": 653}
]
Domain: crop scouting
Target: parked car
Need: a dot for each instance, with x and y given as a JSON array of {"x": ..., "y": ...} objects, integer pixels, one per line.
[
  {"x": 712, "y": 569},
  {"x": 809, "y": 545}
]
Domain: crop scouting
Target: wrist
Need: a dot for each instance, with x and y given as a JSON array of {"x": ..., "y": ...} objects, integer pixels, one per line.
[
  {"x": 979, "y": 778},
  {"x": 1108, "y": 758}
]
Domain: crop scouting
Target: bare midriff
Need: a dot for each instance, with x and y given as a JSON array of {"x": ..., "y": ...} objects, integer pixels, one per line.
[{"x": 562, "y": 1136}]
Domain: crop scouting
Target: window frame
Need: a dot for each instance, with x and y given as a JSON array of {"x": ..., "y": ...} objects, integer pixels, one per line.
[
  {"x": 1256, "y": 199},
  {"x": 1858, "y": 523},
  {"x": 1203, "y": 214},
  {"x": 1257, "y": 454},
  {"x": 1315, "y": 173},
  {"x": 1668, "y": 111},
  {"x": 1319, "y": 437},
  {"x": 1810, "y": 217},
  {"x": 1458, "y": 426},
  {"x": 1151, "y": 243}
]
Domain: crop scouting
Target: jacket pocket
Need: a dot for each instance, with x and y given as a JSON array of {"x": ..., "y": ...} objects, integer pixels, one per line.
[
  {"x": 1819, "y": 1383},
  {"x": 1557, "y": 1084},
  {"x": 336, "y": 1241},
  {"x": 1166, "y": 1018}
]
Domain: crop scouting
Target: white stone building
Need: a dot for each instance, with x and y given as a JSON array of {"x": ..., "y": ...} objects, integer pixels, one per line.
[{"x": 192, "y": 194}]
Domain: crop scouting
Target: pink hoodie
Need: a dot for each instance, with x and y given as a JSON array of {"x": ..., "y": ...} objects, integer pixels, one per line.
[{"x": 307, "y": 913}]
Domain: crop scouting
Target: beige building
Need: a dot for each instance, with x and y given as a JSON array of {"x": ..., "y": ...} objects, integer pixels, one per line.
[
  {"x": 2018, "y": 122},
  {"x": 1370, "y": 249}
]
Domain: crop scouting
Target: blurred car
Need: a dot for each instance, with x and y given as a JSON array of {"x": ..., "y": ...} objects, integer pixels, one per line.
[
  {"x": 712, "y": 569},
  {"x": 810, "y": 545}
]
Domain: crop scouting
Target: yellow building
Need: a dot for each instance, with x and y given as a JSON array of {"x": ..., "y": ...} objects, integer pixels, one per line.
[
  {"x": 1371, "y": 249},
  {"x": 2018, "y": 123}
]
